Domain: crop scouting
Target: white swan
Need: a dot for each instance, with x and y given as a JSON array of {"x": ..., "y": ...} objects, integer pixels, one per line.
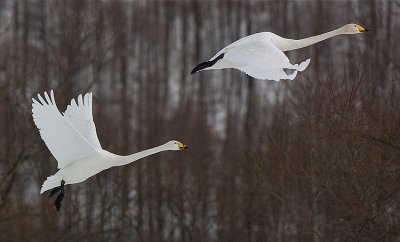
[
  {"x": 261, "y": 55},
  {"x": 72, "y": 139}
]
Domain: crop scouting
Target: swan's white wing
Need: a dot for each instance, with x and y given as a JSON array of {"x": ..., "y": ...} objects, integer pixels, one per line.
[
  {"x": 259, "y": 53},
  {"x": 81, "y": 117},
  {"x": 241, "y": 42},
  {"x": 63, "y": 140},
  {"x": 275, "y": 74}
]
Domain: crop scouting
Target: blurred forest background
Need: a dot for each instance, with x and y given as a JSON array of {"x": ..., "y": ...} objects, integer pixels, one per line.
[{"x": 313, "y": 159}]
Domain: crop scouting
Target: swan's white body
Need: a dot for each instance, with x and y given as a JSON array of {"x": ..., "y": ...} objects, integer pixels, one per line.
[
  {"x": 72, "y": 139},
  {"x": 261, "y": 55},
  {"x": 258, "y": 56}
]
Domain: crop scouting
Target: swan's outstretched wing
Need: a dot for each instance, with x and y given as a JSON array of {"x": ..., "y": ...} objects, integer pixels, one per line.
[
  {"x": 64, "y": 141},
  {"x": 276, "y": 73},
  {"x": 257, "y": 56},
  {"x": 81, "y": 117}
]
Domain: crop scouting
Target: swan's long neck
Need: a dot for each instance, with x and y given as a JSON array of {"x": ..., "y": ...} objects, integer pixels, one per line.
[
  {"x": 124, "y": 160},
  {"x": 291, "y": 44}
]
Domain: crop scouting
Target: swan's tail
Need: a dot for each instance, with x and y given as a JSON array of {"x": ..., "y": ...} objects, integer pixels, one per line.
[
  {"x": 303, "y": 65},
  {"x": 51, "y": 182}
]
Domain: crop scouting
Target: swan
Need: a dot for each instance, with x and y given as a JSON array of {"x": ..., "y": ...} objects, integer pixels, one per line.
[
  {"x": 261, "y": 55},
  {"x": 72, "y": 139}
]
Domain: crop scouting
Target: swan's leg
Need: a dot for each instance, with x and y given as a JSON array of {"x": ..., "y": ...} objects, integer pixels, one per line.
[{"x": 60, "y": 196}]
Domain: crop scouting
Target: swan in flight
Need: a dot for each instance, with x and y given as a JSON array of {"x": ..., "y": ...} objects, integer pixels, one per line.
[
  {"x": 261, "y": 55},
  {"x": 72, "y": 139}
]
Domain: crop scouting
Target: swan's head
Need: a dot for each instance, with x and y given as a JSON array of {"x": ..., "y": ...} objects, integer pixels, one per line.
[
  {"x": 353, "y": 29},
  {"x": 175, "y": 145}
]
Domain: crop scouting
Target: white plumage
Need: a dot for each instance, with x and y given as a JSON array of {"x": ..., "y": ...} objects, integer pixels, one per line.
[
  {"x": 65, "y": 136},
  {"x": 72, "y": 139},
  {"x": 261, "y": 55},
  {"x": 257, "y": 56}
]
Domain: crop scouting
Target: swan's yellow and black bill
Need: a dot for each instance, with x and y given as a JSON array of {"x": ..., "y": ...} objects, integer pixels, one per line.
[
  {"x": 182, "y": 146},
  {"x": 361, "y": 28}
]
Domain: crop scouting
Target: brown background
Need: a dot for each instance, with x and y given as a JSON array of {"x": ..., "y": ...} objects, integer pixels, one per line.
[{"x": 313, "y": 159}]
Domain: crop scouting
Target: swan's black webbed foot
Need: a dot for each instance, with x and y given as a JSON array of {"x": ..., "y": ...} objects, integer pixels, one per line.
[
  {"x": 60, "y": 196},
  {"x": 59, "y": 199},
  {"x": 54, "y": 191}
]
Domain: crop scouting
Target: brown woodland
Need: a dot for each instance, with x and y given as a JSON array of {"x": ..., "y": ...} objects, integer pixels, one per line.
[{"x": 313, "y": 159}]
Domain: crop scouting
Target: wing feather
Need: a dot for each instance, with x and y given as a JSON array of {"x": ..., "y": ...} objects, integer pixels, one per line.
[
  {"x": 63, "y": 140},
  {"x": 81, "y": 117},
  {"x": 275, "y": 74}
]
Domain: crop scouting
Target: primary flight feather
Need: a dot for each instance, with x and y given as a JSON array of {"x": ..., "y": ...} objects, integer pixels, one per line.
[
  {"x": 72, "y": 139},
  {"x": 261, "y": 55}
]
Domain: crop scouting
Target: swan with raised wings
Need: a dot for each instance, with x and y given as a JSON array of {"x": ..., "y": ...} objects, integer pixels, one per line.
[{"x": 72, "y": 139}]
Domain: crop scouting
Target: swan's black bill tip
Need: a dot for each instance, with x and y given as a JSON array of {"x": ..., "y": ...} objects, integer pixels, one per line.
[
  {"x": 186, "y": 147},
  {"x": 367, "y": 30}
]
